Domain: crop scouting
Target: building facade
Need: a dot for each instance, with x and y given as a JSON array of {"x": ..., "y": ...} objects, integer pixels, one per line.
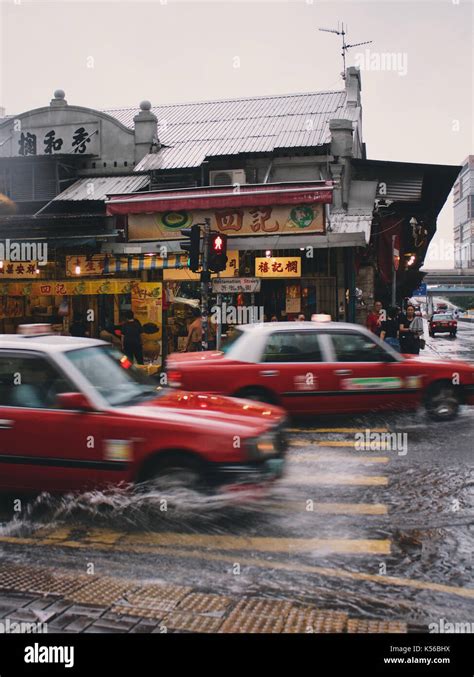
[{"x": 463, "y": 201}]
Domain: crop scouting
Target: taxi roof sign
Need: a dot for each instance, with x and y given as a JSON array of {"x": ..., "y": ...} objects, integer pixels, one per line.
[
  {"x": 40, "y": 329},
  {"x": 320, "y": 317}
]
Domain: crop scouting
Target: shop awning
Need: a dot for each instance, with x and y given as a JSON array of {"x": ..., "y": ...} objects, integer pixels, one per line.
[
  {"x": 99, "y": 187},
  {"x": 222, "y": 197}
]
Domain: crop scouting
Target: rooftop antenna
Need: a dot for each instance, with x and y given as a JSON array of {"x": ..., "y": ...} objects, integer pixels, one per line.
[{"x": 342, "y": 31}]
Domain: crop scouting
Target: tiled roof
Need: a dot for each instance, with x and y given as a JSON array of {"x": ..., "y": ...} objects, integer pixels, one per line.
[{"x": 191, "y": 132}]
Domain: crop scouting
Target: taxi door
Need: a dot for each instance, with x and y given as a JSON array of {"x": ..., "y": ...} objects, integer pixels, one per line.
[
  {"x": 43, "y": 448},
  {"x": 293, "y": 365},
  {"x": 365, "y": 376}
]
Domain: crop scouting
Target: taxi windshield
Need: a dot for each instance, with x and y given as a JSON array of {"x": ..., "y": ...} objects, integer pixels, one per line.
[
  {"x": 233, "y": 335},
  {"x": 107, "y": 370},
  {"x": 442, "y": 317}
]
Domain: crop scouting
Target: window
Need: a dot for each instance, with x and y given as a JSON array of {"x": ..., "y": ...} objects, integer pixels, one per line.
[
  {"x": 111, "y": 374},
  {"x": 358, "y": 348},
  {"x": 30, "y": 382},
  {"x": 298, "y": 346}
]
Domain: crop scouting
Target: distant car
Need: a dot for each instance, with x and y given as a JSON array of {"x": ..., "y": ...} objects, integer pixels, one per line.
[
  {"x": 443, "y": 323},
  {"x": 75, "y": 414},
  {"x": 319, "y": 368}
]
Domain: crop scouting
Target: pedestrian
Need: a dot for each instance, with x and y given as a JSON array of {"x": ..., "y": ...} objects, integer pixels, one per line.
[
  {"x": 301, "y": 317},
  {"x": 389, "y": 329},
  {"x": 79, "y": 327},
  {"x": 375, "y": 318},
  {"x": 132, "y": 338},
  {"x": 410, "y": 331},
  {"x": 274, "y": 318},
  {"x": 194, "y": 338}
]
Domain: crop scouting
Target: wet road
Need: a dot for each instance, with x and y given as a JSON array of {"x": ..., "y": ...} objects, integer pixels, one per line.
[{"x": 383, "y": 533}]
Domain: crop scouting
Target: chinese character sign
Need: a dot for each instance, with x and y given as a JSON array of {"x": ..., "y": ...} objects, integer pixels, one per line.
[
  {"x": 75, "y": 139},
  {"x": 238, "y": 221},
  {"x": 280, "y": 266}
]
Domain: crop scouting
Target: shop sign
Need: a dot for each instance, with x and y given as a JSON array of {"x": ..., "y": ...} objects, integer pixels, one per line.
[
  {"x": 67, "y": 287},
  {"x": 72, "y": 139},
  {"x": 280, "y": 266},
  {"x": 20, "y": 269},
  {"x": 233, "y": 221},
  {"x": 237, "y": 285}
]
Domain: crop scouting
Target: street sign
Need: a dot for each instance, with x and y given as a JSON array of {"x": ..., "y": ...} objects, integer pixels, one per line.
[
  {"x": 236, "y": 285},
  {"x": 421, "y": 290}
]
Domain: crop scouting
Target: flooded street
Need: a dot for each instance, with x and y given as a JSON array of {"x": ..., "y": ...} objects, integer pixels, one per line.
[{"x": 384, "y": 533}]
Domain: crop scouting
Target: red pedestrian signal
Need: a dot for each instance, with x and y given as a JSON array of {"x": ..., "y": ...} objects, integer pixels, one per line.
[{"x": 217, "y": 252}]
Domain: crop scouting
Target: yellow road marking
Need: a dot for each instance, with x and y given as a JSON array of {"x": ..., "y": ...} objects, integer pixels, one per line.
[
  {"x": 338, "y": 443},
  {"x": 321, "y": 456},
  {"x": 336, "y": 478},
  {"x": 265, "y": 564},
  {"x": 96, "y": 539},
  {"x": 337, "y": 430},
  {"x": 334, "y": 508}
]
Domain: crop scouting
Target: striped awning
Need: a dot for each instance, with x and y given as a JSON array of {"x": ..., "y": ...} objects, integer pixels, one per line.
[{"x": 130, "y": 264}]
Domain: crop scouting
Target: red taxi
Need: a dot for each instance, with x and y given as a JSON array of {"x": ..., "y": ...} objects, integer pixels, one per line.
[
  {"x": 322, "y": 368},
  {"x": 442, "y": 323},
  {"x": 75, "y": 414}
]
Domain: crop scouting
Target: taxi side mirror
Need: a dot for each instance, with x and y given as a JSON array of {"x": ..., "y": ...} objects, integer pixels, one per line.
[{"x": 74, "y": 401}]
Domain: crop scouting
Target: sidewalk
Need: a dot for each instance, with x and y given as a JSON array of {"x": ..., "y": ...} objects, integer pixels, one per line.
[{"x": 67, "y": 602}]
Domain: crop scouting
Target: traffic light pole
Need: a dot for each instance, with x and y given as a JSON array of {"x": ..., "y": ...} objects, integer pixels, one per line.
[{"x": 205, "y": 277}]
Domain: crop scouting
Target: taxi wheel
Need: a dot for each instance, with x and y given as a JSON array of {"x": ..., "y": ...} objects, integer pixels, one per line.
[
  {"x": 257, "y": 394},
  {"x": 442, "y": 402},
  {"x": 177, "y": 471}
]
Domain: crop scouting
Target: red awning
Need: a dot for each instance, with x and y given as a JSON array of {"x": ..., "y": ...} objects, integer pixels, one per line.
[{"x": 221, "y": 197}]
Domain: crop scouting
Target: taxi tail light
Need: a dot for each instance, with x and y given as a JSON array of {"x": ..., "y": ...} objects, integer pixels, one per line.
[{"x": 175, "y": 378}]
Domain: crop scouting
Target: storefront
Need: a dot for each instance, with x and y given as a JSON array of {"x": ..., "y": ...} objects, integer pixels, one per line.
[{"x": 277, "y": 234}]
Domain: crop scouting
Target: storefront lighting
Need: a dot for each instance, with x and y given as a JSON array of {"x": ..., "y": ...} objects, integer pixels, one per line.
[
  {"x": 268, "y": 254},
  {"x": 37, "y": 271},
  {"x": 1, "y": 265},
  {"x": 77, "y": 268},
  {"x": 411, "y": 259}
]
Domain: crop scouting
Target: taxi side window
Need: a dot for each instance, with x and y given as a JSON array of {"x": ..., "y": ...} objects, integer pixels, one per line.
[
  {"x": 357, "y": 348},
  {"x": 292, "y": 347},
  {"x": 30, "y": 382}
]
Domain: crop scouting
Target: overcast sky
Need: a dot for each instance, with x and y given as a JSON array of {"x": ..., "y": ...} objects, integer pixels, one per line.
[{"x": 114, "y": 53}]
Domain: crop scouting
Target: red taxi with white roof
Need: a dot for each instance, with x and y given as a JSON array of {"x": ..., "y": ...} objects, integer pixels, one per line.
[
  {"x": 324, "y": 367},
  {"x": 75, "y": 414}
]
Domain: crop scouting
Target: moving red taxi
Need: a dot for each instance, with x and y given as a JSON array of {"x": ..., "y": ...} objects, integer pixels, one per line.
[
  {"x": 324, "y": 368},
  {"x": 442, "y": 323},
  {"x": 75, "y": 414}
]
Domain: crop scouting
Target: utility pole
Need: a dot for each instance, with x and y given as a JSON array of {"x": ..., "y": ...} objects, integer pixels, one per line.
[
  {"x": 205, "y": 277},
  {"x": 395, "y": 263}
]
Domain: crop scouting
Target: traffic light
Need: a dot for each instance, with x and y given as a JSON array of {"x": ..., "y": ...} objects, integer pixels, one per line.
[
  {"x": 192, "y": 246},
  {"x": 217, "y": 252}
]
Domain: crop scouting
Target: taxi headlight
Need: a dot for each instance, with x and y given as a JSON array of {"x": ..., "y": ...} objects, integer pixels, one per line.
[{"x": 264, "y": 445}]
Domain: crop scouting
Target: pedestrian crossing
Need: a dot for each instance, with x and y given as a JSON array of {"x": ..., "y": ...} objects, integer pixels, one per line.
[{"x": 325, "y": 478}]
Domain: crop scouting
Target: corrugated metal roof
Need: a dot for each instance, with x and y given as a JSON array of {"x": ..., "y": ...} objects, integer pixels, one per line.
[
  {"x": 343, "y": 223},
  {"x": 191, "y": 132},
  {"x": 98, "y": 187}
]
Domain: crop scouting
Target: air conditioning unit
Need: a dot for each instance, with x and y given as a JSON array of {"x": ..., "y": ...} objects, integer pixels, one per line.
[{"x": 227, "y": 177}]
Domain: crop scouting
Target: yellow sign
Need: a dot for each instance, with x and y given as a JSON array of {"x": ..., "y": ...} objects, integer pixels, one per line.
[
  {"x": 147, "y": 303},
  {"x": 232, "y": 270},
  {"x": 280, "y": 266},
  {"x": 241, "y": 221},
  {"x": 22, "y": 269},
  {"x": 67, "y": 287}
]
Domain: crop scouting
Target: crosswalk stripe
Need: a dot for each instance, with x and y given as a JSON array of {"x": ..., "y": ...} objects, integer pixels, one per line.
[
  {"x": 332, "y": 508},
  {"x": 335, "y": 479},
  {"x": 319, "y": 456},
  {"x": 337, "y": 430}
]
